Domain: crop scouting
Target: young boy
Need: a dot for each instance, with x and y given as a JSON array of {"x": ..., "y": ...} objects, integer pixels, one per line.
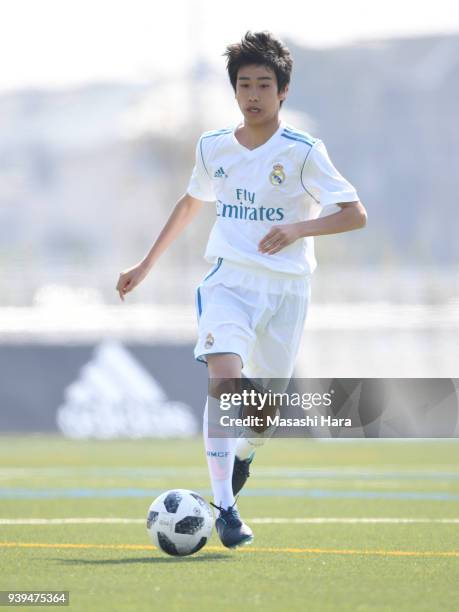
[{"x": 270, "y": 182}]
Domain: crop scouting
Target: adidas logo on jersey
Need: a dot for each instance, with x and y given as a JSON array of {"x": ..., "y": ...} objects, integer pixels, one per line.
[{"x": 220, "y": 173}]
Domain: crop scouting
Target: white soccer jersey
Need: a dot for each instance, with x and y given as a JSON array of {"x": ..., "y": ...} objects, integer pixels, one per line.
[{"x": 288, "y": 179}]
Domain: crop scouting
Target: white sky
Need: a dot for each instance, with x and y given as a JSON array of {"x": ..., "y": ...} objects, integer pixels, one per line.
[{"x": 65, "y": 42}]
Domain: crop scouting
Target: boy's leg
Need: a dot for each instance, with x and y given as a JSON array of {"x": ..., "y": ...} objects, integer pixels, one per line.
[
  {"x": 273, "y": 359},
  {"x": 224, "y": 372},
  {"x": 220, "y": 451},
  {"x": 250, "y": 439}
]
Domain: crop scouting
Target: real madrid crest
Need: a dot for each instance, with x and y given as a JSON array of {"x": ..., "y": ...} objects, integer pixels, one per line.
[
  {"x": 277, "y": 176},
  {"x": 209, "y": 340}
]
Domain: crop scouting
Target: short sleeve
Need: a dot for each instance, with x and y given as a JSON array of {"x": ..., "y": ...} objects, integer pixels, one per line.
[
  {"x": 200, "y": 185},
  {"x": 322, "y": 180}
]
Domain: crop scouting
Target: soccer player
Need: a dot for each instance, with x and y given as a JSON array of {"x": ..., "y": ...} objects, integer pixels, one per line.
[{"x": 270, "y": 183}]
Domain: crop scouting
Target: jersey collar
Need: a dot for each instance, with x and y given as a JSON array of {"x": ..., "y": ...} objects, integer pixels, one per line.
[{"x": 263, "y": 147}]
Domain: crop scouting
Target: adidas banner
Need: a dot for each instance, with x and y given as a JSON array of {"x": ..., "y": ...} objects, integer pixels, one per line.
[{"x": 104, "y": 391}]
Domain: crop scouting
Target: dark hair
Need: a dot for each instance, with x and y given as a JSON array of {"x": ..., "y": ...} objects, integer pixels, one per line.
[{"x": 262, "y": 49}]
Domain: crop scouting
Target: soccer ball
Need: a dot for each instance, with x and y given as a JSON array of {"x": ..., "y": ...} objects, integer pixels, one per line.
[{"x": 180, "y": 522}]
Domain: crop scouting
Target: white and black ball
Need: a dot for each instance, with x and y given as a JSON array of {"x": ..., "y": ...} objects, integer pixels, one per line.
[{"x": 180, "y": 522}]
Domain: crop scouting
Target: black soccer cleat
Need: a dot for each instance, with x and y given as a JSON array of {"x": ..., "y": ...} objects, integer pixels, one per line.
[
  {"x": 241, "y": 472},
  {"x": 231, "y": 530}
]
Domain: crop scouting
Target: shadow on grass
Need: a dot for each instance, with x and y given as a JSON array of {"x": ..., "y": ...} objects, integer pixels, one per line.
[{"x": 152, "y": 559}]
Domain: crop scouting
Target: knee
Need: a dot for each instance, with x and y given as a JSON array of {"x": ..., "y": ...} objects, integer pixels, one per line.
[
  {"x": 224, "y": 374},
  {"x": 219, "y": 386},
  {"x": 224, "y": 366}
]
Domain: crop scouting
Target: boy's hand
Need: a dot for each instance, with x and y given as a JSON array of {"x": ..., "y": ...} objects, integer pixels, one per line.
[
  {"x": 131, "y": 278},
  {"x": 278, "y": 238}
]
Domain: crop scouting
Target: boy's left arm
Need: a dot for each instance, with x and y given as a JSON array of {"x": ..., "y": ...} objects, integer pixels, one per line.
[{"x": 352, "y": 216}]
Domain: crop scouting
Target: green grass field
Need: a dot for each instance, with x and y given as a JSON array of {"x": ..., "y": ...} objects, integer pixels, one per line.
[{"x": 328, "y": 553}]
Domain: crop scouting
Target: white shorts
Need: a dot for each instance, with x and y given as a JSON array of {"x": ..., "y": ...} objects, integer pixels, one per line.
[{"x": 254, "y": 313}]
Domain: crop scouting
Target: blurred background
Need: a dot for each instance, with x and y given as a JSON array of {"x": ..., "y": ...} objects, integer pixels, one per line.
[{"x": 101, "y": 104}]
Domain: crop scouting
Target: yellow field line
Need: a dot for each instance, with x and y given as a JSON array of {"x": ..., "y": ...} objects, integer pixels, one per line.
[{"x": 314, "y": 551}]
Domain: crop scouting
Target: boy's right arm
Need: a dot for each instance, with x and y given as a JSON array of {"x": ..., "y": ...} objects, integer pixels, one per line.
[{"x": 184, "y": 212}]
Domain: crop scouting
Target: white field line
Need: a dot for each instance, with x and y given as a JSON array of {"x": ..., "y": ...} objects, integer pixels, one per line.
[
  {"x": 258, "y": 521},
  {"x": 389, "y": 471}
]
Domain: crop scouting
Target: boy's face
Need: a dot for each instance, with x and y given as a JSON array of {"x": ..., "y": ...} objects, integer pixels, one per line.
[{"x": 257, "y": 95}]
